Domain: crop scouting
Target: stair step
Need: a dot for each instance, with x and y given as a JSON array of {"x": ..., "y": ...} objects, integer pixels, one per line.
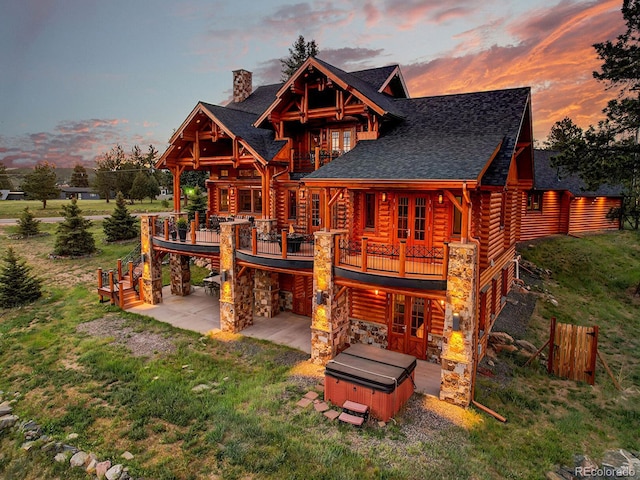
[{"x": 351, "y": 419}]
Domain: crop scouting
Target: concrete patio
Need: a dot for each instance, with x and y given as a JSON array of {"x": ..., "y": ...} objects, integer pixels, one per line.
[{"x": 200, "y": 312}]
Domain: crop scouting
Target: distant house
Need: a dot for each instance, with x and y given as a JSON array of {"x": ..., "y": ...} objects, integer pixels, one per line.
[
  {"x": 9, "y": 195},
  {"x": 560, "y": 204},
  {"x": 80, "y": 193}
]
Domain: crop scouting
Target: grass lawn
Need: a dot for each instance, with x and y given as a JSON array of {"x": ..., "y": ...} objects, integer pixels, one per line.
[
  {"x": 245, "y": 424},
  {"x": 14, "y": 208}
]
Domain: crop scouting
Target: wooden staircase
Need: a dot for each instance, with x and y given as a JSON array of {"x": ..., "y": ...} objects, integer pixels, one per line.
[{"x": 122, "y": 287}]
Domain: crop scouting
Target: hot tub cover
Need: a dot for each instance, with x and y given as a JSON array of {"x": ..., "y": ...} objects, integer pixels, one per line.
[{"x": 371, "y": 367}]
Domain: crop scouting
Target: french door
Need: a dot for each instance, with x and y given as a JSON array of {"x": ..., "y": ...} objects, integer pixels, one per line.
[
  {"x": 414, "y": 219},
  {"x": 410, "y": 323}
]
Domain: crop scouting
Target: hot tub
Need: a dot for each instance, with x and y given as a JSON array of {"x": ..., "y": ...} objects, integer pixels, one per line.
[{"x": 380, "y": 379}]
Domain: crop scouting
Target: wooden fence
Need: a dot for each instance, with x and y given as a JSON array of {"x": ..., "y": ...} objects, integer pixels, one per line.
[{"x": 573, "y": 351}]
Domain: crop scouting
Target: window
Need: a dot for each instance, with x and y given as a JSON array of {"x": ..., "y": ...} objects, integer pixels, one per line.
[
  {"x": 292, "y": 205},
  {"x": 316, "y": 221},
  {"x": 369, "y": 210},
  {"x": 223, "y": 200},
  {"x": 534, "y": 201},
  {"x": 341, "y": 140},
  {"x": 250, "y": 200},
  {"x": 457, "y": 218}
]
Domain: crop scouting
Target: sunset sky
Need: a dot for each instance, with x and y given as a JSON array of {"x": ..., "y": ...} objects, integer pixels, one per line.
[{"x": 79, "y": 76}]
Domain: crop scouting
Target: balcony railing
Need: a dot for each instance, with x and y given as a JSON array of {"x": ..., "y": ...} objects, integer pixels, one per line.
[
  {"x": 166, "y": 229},
  {"x": 274, "y": 244},
  {"x": 399, "y": 259},
  {"x": 310, "y": 161}
]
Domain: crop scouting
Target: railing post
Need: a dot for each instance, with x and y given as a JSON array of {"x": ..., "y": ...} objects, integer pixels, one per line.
[
  {"x": 99, "y": 278},
  {"x": 317, "y": 158},
  {"x": 365, "y": 241},
  {"x": 131, "y": 273},
  {"x": 254, "y": 240},
  {"x": 153, "y": 226},
  {"x": 197, "y": 218},
  {"x": 445, "y": 261},
  {"x": 237, "y": 235},
  {"x": 403, "y": 258},
  {"x": 140, "y": 287},
  {"x": 283, "y": 236},
  {"x": 121, "y": 296},
  {"x": 166, "y": 229},
  {"x": 119, "y": 269},
  {"x": 336, "y": 250},
  {"x": 111, "y": 286},
  {"x": 193, "y": 232}
]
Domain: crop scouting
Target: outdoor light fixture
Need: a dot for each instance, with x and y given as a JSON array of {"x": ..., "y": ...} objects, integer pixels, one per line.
[
  {"x": 384, "y": 196},
  {"x": 223, "y": 276},
  {"x": 143, "y": 257},
  {"x": 302, "y": 194},
  {"x": 321, "y": 298},
  {"x": 456, "y": 322},
  {"x": 440, "y": 198}
]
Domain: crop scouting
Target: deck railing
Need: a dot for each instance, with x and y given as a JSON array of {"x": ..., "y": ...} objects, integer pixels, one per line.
[
  {"x": 282, "y": 244},
  {"x": 400, "y": 259},
  {"x": 166, "y": 229}
]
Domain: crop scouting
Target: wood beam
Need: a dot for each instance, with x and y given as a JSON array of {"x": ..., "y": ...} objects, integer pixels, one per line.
[{"x": 196, "y": 154}]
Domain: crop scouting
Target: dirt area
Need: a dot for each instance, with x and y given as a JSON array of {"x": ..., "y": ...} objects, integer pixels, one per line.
[{"x": 141, "y": 344}]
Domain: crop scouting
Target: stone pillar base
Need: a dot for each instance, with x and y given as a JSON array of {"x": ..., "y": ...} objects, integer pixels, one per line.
[
  {"x": 455, "y": 382},
  {"x": 266, "y": 225},
  {"x": 180, "y": 274},
  {"x": 152, "y": 291}
]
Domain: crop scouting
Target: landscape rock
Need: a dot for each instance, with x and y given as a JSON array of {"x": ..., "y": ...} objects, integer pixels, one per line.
[
  {"x": 26, "y": 446},
  {"x": 501, "y": 338},
  {"x": 114, "y": 472},
  {"x": 5, "y": 409},
  {"x": 622, "y": 461},
  {"x": 72, "y": 436},
  {"x": 201, "y": 387},
  {"x": 61, "y": 457},
  {"x": 8, "y": 421},
  {"x": 101, "y": 469},
  {"x": 79, "y": 459},
  {"x": 528, "y": 346},
  {"x": 127, "y": 455},
  {"x": 91, "y": 466}
]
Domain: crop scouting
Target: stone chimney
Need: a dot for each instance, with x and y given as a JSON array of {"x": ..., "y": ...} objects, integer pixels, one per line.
[{"x": 241, "y": 85}]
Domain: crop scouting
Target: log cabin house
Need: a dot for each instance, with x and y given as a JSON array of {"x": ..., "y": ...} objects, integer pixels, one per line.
[
  {"x": 388, "y": 220},
  {"x": 561, "y": 204}
]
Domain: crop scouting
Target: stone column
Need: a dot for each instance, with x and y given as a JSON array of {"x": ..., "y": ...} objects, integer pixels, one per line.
[
  {"x": 329, "y": 319},
  {"x": 458, "y": 348},
  {"x": 236, "y": 311},
  {"x": 266, "y": 225},
  {"x": 180, "y": 274},
  {"x": 266, "y": 294},
  {"x": 151, "y": 269}
]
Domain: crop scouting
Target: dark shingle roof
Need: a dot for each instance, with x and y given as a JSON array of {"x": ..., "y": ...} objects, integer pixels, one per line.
[
  {"x": 241, "y": 124},
  {"x": 259, "y": 100},
  {"x": 547, "y": 178},
  {"x": 375, "y": 77},
  {"x": 448, "y": 137}
]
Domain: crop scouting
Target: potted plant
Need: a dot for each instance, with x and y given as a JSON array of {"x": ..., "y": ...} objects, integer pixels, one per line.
[
  {"x": 172, "y": 229},
  {"x": 183, "y": 226}
]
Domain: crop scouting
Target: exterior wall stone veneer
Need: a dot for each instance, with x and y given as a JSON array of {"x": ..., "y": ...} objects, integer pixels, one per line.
[
  {"x": 236, "y": 312},
  {"x": 286, "y": 301},
  {"x": 369, "y": 333},
  {"x": 266, "y": 294},
  {"x": 265, "y": 225},
  {"x": 458, "y": 352},
  {"x": 152, "y": 268},
  {"x": 180, "y": 274},
  {"x": 434, "y": 348},
  {"x": 329, "y": 320}
]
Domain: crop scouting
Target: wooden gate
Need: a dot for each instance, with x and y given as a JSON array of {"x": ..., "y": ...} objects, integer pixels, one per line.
[{"x": 573, "y": 351}]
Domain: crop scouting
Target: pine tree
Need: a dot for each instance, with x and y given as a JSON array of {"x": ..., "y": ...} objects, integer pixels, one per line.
[
  {"x": 79, "y": 177},
  {"x": 197, "y": 203},
  {"x": 73, "y": 235},
  {"x": 121, "y": 225},
  {"x": 5, "y": 181},
  {"x": 298, "y": 54},
  {"x": 17, "y": 285},
  {"x": 140, "y": 186},
  {"x": 41, "y": 183},
  {"x": 28, "y": 226}
]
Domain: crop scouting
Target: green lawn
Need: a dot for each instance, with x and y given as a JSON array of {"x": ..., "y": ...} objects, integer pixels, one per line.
[
  {"x": 246, "y": 424},
  {"x": 14, "y": 208}
]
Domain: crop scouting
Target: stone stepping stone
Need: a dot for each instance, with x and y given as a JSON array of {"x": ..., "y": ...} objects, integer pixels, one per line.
[
  {"x": 331, "y": 414},
  {"x": 311, "y": 395},
  {"x": 321, "y": 407},
  {"x": 304, "y": 402}
]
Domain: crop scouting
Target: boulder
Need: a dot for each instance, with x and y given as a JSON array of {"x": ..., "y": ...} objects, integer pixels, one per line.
[
  {"x": 8, "y": 421},
  {"x": 500, "y": 338},
  {"x": 5, "y": 409},
  {"x": 101, "y": 468},
  {"x": 114, "y": 472},
  {"x": 79, "y": 459},
  {"x": 528, "y": 346}
]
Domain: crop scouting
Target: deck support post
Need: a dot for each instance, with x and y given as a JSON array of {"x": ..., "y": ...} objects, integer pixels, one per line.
[
  {"x": 151, "y": 279},
  {"x": 459, "y": 352},
  {"x": 236, "y": 291},
  {"x": 329, "y": 319}
]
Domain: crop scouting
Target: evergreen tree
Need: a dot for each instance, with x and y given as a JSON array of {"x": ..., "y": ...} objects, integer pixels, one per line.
[
  {"x": 79, "y": 177},
  {"x": 140, "y": 186},
  {"x": 298, "y": 54},
  {"x": 121, "y": 225},
  {"x": 153, "y": 188},
  {"x": 197, "y": 203},
  {"x": 41, "y": 183},
  {"x": 5, "y": 181},
  {"x": 28, "y": 226},
  {"x": 73, "y": 235},
  {"x": 17, "y": 285}
]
